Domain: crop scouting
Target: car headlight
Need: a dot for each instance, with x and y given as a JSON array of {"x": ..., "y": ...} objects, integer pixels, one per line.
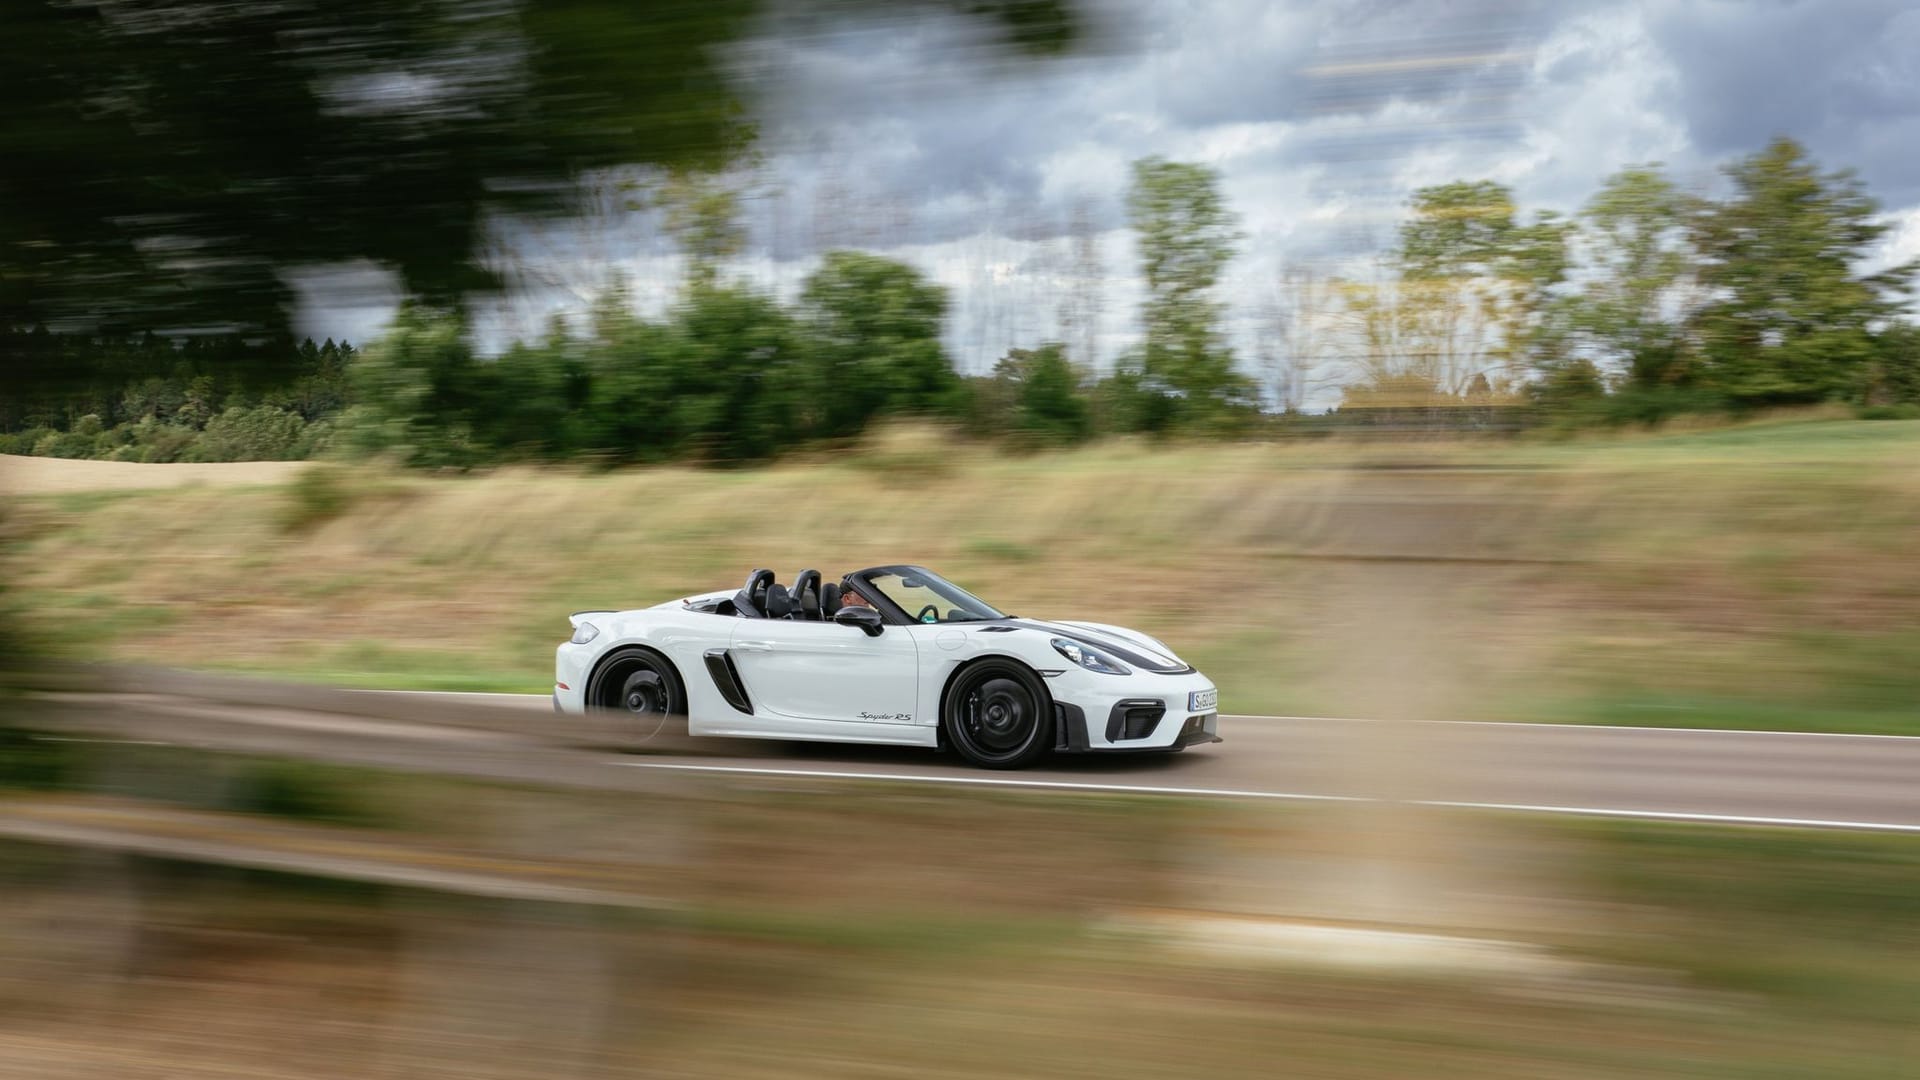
[
  {"x": 584, "y": 633},
  {"x": 1089, "y": 658}
]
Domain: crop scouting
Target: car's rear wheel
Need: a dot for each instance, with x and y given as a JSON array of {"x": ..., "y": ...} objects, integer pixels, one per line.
[
  {"x": 643, "y": 685},
  {"x": 998, "y": 715}
]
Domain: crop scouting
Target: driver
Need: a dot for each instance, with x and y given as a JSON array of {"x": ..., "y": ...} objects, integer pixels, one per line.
[{"x": 849, "y": 598}]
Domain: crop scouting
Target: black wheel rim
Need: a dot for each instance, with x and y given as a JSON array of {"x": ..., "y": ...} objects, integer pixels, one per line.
[
  {"x": 998, "y": 716},
  {"x": 645, "y": 694},
  {"x": 646, "y": 697}
]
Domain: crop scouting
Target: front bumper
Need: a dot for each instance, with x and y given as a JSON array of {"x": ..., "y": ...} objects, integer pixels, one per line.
[{"x": 1131, "y": 715}]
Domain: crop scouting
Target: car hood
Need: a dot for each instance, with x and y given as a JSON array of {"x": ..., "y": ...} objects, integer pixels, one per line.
[{"x": 1130, "y": 647}]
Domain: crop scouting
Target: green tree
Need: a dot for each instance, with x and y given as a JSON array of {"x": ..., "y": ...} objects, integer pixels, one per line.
[
  {"x": 1790, "y": 318},
  {"x": 417, "y": 391},
  {"x": 1475, "y": 284},
  {"x": 1640, "y": 288},
  {"x": 529, "y": 401},
  {"x": 1043, "y": 393},
  {"x": 631, "y": 368},
  {"x": 1895, "y": 378},
  {"x": 875, "y": 327},
  {"x": 260, "y": 433},
  {"x": 738, "y": 375},
  {"x": 703, "y": 216},
  {"x": 1186, "y": 236}
]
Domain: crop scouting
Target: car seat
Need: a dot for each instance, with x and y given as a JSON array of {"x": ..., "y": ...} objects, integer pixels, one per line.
[
  {"x": 806, "y": 595},
  {"x": 751, "y": 601},
  {"x": 779, "y": 603},
  {"x": 829, "y": 599}
]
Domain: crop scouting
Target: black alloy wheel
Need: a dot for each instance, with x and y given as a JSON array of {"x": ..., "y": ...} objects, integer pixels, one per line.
[
  {"x": 998, "y": 715},
  {"x": 643, "y": 685}
]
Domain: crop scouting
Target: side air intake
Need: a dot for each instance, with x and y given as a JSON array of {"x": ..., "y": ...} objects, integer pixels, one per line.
[{"x": 727, "y": 678}]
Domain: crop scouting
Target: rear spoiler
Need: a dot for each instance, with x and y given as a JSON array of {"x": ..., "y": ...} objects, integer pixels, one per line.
[{"x": 573, "y": 620}]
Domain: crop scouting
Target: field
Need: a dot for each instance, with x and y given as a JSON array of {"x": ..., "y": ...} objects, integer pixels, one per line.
[
  {"x": 58, "y": 476},
  {"x": 1751, "y": 576}
]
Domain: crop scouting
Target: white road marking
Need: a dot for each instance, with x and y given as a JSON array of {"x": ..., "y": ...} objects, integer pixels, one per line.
[
  {"x": 453, "y": 693},
  {"x": 1234, "y": 793},
  {"x": 1680, "y": 815},
  {"x": 1538, "y": 725},
  {"x": 984, "y": 781}
]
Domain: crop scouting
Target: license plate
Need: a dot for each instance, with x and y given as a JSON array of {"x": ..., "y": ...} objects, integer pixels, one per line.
[{"x": 1202, "y": 700}]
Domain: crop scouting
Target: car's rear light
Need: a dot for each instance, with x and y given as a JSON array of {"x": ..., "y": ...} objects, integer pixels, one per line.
[{"x": 563, "y": 686}]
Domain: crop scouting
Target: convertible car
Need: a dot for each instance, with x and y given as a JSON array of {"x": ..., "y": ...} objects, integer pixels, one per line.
[{"x": 890, "y": 654}]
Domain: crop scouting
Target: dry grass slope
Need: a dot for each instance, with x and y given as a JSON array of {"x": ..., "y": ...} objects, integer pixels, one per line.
[{"x": 1746, "y": 576}]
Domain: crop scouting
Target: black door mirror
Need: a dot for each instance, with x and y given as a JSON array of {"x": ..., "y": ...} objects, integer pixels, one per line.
[{"x": 865, "y": 618}]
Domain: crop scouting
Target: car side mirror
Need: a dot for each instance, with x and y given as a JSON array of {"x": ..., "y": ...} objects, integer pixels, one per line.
[{"x": 865, "y": 618}]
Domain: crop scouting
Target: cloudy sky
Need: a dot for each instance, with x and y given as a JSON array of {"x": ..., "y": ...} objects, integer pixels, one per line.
[{"x": 1005, "y": 181}]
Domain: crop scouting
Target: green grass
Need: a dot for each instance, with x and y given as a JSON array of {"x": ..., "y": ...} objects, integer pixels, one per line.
[{"x": 1656, "y": 710}]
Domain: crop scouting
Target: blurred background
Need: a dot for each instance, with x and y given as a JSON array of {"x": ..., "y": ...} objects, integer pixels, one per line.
[{"x": 1403, "y": 363}]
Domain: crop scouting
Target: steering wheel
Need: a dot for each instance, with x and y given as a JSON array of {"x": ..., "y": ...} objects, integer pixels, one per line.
[{"x": 930, "y": 609}]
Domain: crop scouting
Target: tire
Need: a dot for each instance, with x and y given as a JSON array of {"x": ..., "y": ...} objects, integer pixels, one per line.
[
  {"x": 643, "y": 684},
  {"x": 998, "y": 715}
]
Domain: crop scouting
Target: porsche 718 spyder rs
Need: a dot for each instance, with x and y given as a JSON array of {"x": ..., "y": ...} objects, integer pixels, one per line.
[{"x": 891, "y": 654}]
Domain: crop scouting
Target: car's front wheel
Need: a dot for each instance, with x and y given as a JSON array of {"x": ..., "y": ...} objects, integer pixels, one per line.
[
  {"x": 642, "y": 684},
  {"x": 998, "y": 715}
]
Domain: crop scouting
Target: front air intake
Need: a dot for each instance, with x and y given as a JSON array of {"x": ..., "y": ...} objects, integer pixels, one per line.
[{"x": 1134, "y": 719}]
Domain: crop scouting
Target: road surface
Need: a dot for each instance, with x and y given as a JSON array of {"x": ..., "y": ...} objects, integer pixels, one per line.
[{"x": 1757, "y": 778}]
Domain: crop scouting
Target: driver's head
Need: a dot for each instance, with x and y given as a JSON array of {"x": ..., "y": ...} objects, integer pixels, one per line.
[{"x": 849, "y": 597}]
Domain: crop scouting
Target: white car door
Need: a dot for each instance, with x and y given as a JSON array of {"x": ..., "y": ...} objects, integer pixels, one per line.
[{"x": 826, "y": 671}]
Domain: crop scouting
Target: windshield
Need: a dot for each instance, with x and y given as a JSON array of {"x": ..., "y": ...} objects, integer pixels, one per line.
[{"x": 929, "y": 598}]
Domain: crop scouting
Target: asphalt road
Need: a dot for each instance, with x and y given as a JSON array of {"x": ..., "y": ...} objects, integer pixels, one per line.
[
  {"x": 1867, "y": 782},
  {"x": 1758, "y": 778}
]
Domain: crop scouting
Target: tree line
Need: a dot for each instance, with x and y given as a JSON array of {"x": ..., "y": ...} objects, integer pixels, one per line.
[
  {"x": 1651, "y": 300},
  {"x": 158, "y": 399},
  {"x": 1648, "y": 302}
]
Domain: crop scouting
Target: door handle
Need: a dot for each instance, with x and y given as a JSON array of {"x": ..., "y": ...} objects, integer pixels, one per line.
[{"x": 754, "y": 646}]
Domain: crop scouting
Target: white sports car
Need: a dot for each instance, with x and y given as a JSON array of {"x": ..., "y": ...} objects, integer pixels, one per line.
[{"x": 891, "y": 654}]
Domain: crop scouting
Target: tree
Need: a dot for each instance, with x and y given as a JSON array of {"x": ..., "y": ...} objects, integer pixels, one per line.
[
  {"x": 1186, "y": 237},
  {"x": 875, "y": 325},
  {"x": 1640, "y": 289},
  {"x": 417, "y": 391},
  {"x": 1474, "y": 284},
  {"x": 1302, "y": 319},
  {"x": 1896, "y": 373},
  {"x": 703, "y": 216},
  {"x": 740, "y": 389},
  {"x": 1790, "y": 318},
  {"x": 1043, "y": 391}
]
